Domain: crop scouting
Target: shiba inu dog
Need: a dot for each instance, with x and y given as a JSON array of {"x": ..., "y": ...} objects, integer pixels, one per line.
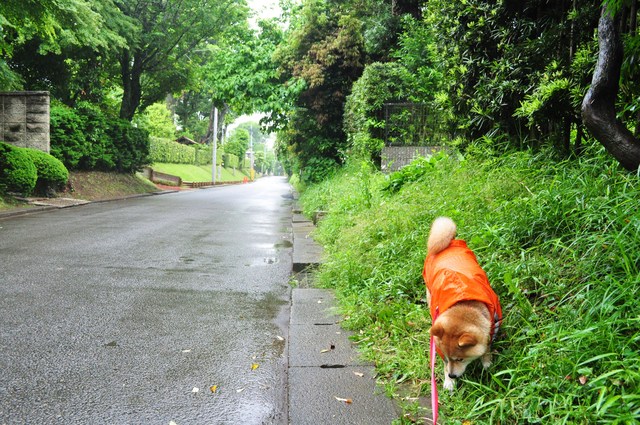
[{"x": 465, "y": 311}]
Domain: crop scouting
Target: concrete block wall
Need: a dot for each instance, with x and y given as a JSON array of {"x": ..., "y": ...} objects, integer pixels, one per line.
[{"x": 24, "y": 119}]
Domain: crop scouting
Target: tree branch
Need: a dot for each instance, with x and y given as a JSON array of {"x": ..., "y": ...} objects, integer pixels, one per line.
[{"x": 598, "y": 106}]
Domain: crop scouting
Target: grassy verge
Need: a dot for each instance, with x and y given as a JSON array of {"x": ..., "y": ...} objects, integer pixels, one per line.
[
  {"x": 560, "y": 242},
  {"x": 97, "y": 185},
  {"x": 198, "y": 173},
  {"x": 9, "y": 203}
]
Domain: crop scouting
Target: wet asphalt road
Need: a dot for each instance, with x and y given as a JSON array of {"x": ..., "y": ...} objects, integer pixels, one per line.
[{"x": 113, "y": 313}]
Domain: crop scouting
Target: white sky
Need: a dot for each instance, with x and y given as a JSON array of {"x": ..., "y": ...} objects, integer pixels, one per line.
[{"x": 265, "y": 9}]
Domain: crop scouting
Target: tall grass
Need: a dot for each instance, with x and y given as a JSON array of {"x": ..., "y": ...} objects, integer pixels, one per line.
[{"x": 560, "y": 242}]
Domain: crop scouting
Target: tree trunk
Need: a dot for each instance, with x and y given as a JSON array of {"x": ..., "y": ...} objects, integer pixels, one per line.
[
  {"x": 131, "y": 85},
  {"x": 598, "y": 106}
]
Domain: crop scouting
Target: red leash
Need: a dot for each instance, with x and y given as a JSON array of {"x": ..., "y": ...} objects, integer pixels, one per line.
[{"x": 434, "y": 387}]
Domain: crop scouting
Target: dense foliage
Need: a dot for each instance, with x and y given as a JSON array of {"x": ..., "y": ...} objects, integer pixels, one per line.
[
  {"x": 30, "y": 171},
  {"x": 17, "y": 172},
  {"x": 85, "y": 138},
  {"x": 52, "y": 174},
  {"x": 171, "y": 152},
  {"x": 559, "y": 243}
]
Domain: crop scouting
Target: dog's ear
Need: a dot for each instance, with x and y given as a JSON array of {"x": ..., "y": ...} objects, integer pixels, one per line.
[
  {"x": 437, "y": 330},
  {"x": 467, "y": 340}
]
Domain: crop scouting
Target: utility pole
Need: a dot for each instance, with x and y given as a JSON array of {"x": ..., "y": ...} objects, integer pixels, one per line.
[
  {"x": 214, "y": 143},
  {"x": 251, "y": 172}
]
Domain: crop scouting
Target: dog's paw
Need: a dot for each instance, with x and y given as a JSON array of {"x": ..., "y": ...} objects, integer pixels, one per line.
[
  {"x": 449, "y": 384},
  {"x": 486, "y": 360}
]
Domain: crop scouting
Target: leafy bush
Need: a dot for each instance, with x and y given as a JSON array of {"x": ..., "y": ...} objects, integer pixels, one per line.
[
  {"x": 17, "y": 171},
  {"x": 230, "y": 160},
  {"x": 68, "y": 137},
  {"x": 86, "y": 138},
  {"x": 52, "y": 174},
  {"x": 131, "y": 146},
  {"x": 238, "y": 143},
  {"x": 560, "y": 242},
  {"x": 157, "y": 120},
  {"x": 364, "y": 123},
  {"x": 204, "y": 155},
  {"x": 168, "y": 151}
]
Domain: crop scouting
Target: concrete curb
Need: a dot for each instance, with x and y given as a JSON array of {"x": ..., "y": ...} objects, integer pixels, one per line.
[
  {"x": 328, "y": 382},
  {"x": 42, "y": 207}
]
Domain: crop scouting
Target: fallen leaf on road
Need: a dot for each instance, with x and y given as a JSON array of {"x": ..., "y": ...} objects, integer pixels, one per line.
[
  {"x": 254, "y": 366},
  {"x": 213, "y": 388},
  {"x": 360, "y": 374},
  {"x": 344, "y": 400},
  {"x": 331, "y": 347}
]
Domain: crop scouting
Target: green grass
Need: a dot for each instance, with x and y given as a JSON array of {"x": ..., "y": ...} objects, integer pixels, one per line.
[
  {"x": 197, "y": 173},
  {"x": 560, "y": 242}
]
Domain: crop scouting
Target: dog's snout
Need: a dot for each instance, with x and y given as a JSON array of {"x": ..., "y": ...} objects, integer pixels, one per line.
[{"x": 453, "y": 376}]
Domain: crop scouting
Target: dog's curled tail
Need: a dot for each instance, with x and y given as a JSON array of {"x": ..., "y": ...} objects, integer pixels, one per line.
[{"x": 443, "y": 230}]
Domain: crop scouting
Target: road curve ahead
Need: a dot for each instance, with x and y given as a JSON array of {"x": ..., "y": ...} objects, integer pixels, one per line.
[{"x": 155, "y": 310}]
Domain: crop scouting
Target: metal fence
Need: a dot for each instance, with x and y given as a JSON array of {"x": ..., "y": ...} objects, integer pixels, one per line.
[{"x": 411, "y": 124}]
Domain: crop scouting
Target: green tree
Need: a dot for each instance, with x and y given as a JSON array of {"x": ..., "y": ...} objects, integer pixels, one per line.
[
  {"x": 325, "y": 50},
  {"x": 56, "y": 36},
  {"x": 157, "y": 59},
  {"x": 158, "y": 121},
  {"x": 240, "y": 76},
  {"x": 238, "y": 143},
  {"x": 599, "y": 105},
  {"x": 510, "y": 66}
]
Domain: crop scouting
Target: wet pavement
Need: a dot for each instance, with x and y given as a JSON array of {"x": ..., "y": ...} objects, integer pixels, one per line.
[
  {"x": 176, "y": 310},
  {"x": 162, "y": 309}
]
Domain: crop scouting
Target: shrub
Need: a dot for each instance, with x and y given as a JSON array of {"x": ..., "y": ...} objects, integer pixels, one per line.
[
  {"x": 380, "y": 83},
  {"x": 99, "y": 151},
  {"x": 204, "y": 154},
  {"x": 157, "y": 120},
  {"x": 52, "y": 174},
  {"x": 87, "y": 139},
  {"x": 230, "y": 160},
  {"x": 168, "y": 151},
  {"x": 17, "y": 171},
  {"x": 68, "y": 136},
  {"x": 131, "y": 146}
]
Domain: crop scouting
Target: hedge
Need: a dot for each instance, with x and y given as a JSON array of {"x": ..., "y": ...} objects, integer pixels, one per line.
[
  {"x": 168, "y": 151},
  {"x": 230, "y": 160}
]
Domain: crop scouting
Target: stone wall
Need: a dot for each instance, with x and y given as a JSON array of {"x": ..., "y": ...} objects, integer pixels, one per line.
[
  {"x": 24, "y": 119},
  {"x": 396, "y": 157}
]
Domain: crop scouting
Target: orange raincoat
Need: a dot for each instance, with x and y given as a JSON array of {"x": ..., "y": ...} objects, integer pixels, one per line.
[{"x": 454, "y": 275}]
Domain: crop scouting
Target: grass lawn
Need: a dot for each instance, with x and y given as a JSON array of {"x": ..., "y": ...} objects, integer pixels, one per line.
[{"x": 198, "y": 173}]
